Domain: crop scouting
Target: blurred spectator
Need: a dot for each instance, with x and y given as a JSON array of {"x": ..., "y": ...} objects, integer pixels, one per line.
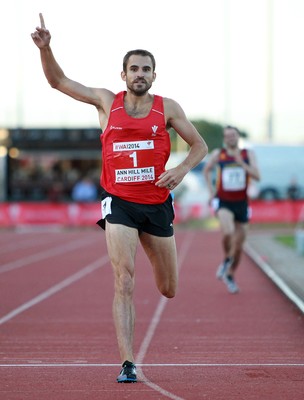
[
  {"x": 56, "y": 192},
  {"x": 85, "y": 190},
  {"x": 293, "y": 190}
]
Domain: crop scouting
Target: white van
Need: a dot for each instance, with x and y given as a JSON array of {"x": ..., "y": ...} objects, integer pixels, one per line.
[{"x": 279, "y": 167}]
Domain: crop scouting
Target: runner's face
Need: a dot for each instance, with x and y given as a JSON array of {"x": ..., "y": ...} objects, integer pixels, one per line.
[
  {"x": 231, "y": 138},
  {"x": 139, "y": 76}
]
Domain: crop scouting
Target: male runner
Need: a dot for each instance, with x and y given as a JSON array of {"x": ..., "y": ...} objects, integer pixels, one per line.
[
  {"x": 229, "y": 198},
  {"x": 136, "y": 202}
]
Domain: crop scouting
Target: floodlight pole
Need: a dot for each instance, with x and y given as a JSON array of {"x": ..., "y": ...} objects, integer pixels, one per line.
[{"x": 269, "y": 89}]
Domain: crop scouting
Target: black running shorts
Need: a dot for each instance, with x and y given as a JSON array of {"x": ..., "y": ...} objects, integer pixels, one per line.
[
  {"x": 239, "y": 209},
  {"x": 155, "y": 219}
]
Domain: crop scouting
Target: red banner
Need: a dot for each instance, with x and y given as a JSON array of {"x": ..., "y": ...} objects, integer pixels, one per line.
[
  {"x": 277, "y": 211},
  {"x": 82, "y": 214},
  {"x": 66, "y": 214}
]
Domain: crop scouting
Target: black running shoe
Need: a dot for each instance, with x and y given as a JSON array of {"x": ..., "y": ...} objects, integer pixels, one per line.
[{"x": 127, "y": 373}]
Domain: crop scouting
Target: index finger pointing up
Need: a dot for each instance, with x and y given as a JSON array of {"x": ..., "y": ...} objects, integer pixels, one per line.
[{"x": 42, "y": 24}]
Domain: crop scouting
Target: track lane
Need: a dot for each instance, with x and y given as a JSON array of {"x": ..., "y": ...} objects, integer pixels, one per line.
[
  {"x": 223, "y": 345},
  {"x": 30, "y": 275}
]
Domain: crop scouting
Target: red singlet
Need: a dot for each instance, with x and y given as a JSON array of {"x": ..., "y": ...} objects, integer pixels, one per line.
[
  {"x": 134, "y": 153},
  {"x": 232, "y": 179}
]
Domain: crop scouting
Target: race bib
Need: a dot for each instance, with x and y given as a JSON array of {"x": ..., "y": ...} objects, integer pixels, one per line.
[
  {"x": 134, "y": 161},
  {"x": 234, "y": 178}
]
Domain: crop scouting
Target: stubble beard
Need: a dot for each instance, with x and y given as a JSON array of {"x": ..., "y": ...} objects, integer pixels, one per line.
[{"x": 139, "y": 91}]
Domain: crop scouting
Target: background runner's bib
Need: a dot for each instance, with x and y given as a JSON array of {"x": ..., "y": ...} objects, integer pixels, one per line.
[
  {"x": 232, "y": 181},
  {"x": 134, "y": 153},
  {"x": 234, "y": 178}
]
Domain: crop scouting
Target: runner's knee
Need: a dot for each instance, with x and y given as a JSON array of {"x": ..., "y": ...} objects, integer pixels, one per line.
[
  {"x": 168, "y": 291},
  {"x": 124, "y": 284}
]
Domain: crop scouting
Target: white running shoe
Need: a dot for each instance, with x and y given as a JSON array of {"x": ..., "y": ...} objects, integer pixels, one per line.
[
  {"x": 224, "y": 267},
  {"x": 230, "y": 283}
]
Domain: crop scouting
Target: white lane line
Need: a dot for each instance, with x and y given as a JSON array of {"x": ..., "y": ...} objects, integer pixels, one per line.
[
  {"x": 56, "y": 288},
  {"x": 154, "y": 323},
  {"x": 55, "y": 251},
  {"x": 58, "y": 365},
  {"x": 266, "y": 268}
]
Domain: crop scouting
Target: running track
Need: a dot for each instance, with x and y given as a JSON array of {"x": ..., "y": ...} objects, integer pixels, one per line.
[{"x": 57, "y": 340}]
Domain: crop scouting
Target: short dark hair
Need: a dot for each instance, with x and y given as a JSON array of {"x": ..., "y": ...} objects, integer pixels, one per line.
[
  {"x": 137, "y": 52},
  {"x": 232, "y": 127}
]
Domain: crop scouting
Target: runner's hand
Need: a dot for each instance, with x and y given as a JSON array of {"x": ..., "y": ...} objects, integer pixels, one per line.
[
  {"x": 42, "y": 36},
  {"x": 171, "y": 178}
]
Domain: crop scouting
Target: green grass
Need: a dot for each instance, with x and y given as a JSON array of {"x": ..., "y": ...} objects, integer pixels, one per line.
[
  {"x": 212, "y": 223},
  {"x": 199, "y": 223},
  {"x": 287, "y": 240}
]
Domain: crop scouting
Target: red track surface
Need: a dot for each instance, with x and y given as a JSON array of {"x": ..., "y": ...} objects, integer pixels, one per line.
[{"x": 58, "y": 343}]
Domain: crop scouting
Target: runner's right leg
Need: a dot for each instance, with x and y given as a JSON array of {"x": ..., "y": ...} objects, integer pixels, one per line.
[{"x": 122, "y": 243}]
